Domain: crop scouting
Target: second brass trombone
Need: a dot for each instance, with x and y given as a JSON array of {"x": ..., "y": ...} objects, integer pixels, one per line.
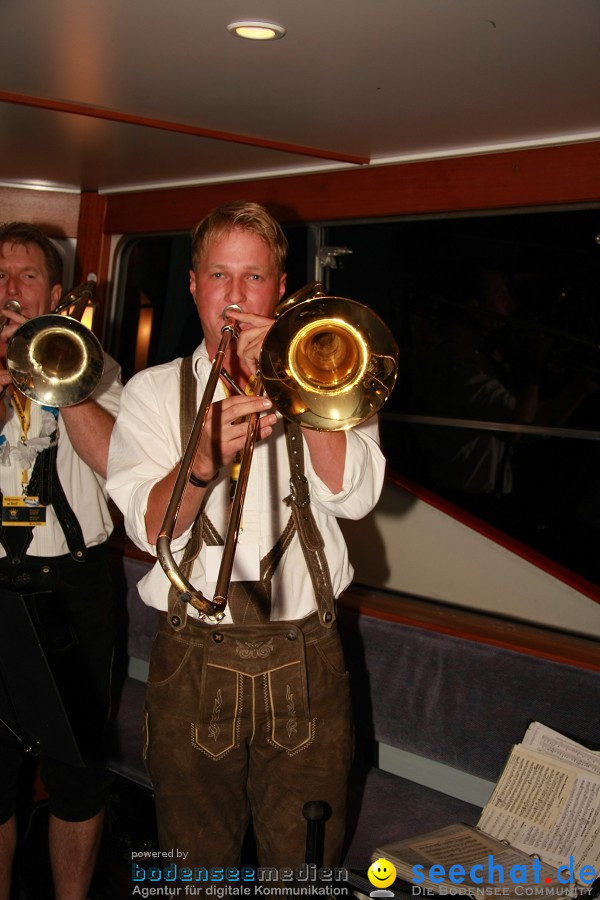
[{"x": 54, "y": 359}]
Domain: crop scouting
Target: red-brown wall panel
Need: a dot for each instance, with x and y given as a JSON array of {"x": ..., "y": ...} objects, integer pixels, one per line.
[{"x": 567, "y": 174}]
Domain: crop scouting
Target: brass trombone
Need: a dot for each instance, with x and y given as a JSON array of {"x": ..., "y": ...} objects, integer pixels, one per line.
[
  {"x": 54, "y": 359},
  {"x": 328, "y": 363}
]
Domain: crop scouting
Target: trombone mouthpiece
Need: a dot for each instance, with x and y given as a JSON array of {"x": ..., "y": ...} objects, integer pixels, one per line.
[
  {"x": 15, "y": 306},
  {"x": 231, "y": 306}
]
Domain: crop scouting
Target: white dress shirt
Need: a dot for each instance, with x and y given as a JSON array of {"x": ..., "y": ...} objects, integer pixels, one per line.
[
  {"x": 85, "y": 490},
  {"x": 145, "y": 446}
]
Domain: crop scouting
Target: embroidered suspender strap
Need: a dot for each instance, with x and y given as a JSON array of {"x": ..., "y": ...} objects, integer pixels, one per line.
[
  {"x": 45, "y": 484},
  {"x": 311, "y": 539}
]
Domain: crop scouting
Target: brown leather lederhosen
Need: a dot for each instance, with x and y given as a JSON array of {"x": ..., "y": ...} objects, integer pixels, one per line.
[
  {"x": 253, "y": 715},
  {"x": 250, "y": 718}
]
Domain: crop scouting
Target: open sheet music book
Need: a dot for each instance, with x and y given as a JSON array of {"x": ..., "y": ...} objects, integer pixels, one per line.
[{"x": 543, "y": 818}]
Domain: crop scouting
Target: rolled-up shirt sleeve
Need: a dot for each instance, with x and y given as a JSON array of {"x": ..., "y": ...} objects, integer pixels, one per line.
[{"x": 364, "y": 472}]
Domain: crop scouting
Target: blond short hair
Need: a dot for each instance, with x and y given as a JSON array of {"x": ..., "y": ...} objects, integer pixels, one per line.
[{"x": 247, "y": 216}]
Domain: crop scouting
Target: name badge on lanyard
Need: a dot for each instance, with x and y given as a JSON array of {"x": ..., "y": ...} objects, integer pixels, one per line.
[{"x": 23, "y": 511}]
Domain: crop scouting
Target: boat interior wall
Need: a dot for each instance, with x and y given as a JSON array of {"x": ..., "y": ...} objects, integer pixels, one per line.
[
  {"x": 56, "y": 212},
  {"x": 421, "y": 550},
  {"x": 409, "y": 545}
]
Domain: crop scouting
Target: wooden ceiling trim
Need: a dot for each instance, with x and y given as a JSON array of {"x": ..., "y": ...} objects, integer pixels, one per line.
[
  {"x": 568, "y": 174},
  {"x": 82, "y": 109}
]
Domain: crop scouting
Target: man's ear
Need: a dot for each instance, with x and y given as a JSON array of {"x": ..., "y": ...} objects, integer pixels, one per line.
[
  {"x": 55, "y": 295},
  {"x": 282, "y": 283}
]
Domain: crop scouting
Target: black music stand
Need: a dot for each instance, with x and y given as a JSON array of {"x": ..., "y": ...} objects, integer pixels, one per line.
[{"x": 32, "y": 715}]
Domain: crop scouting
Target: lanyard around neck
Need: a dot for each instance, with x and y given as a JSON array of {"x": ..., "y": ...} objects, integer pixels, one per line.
[{"x": 23, "y": 411}]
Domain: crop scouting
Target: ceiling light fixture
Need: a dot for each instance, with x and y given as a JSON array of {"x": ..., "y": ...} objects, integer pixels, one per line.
[{"x": 256, "y": 31}]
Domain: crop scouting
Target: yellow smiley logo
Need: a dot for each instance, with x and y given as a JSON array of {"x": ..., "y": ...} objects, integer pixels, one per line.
[{"x": 381, "y": 873}]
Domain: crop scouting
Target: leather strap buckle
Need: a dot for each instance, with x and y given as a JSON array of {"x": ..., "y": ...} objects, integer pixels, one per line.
[{"x": 299, "y": 489}]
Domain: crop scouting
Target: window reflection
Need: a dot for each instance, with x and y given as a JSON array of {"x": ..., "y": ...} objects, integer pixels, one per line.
[{"x": 493, "y": 313}]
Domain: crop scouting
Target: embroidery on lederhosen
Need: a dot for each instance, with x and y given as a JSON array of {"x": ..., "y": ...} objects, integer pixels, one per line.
[{"x": 253, "y": 682}]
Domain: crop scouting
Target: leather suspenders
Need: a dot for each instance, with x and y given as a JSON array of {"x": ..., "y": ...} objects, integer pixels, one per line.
[{"x": 249, "y": 602}]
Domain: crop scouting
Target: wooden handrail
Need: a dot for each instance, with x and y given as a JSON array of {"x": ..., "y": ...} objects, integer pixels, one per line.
[{"x": 471, "y": 625}]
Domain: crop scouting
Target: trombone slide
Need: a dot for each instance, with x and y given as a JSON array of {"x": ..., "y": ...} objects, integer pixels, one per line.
[{"x": 163, "y": 542}]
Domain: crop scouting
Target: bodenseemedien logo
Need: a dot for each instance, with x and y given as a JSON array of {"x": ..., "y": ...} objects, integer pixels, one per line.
[
  {"x": 179, "y": 880},
  {"x": 381, "y": 874}
]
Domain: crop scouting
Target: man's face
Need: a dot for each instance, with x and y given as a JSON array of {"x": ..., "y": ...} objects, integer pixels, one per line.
[
  {"x": 238, "y": 267},
  {"x": 24, "y": 277}
]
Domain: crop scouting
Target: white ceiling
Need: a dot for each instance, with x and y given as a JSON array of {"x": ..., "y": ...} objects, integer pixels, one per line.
[{"x": 382, "y": 81}]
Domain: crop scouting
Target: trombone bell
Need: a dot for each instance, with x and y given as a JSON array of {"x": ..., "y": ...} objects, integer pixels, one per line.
[
  {"x": 327, "y": 356},
  {"x": 329, "y": 363},
  {"x": 55, "y": 360}
]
